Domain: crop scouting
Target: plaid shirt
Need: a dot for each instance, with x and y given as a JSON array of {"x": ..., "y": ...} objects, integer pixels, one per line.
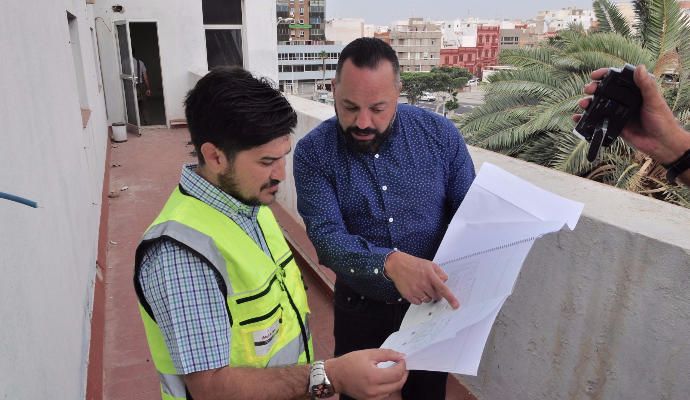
[{"x": 183, "y": 290}]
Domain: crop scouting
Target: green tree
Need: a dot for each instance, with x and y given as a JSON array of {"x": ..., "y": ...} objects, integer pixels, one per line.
[
  {"x": 415, "y": 83},
  {"x": 527, "y": 113},
  {"x": 451, "y": 104}
]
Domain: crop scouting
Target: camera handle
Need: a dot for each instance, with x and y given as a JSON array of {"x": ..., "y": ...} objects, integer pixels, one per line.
[{"x": 597, "y": 140}]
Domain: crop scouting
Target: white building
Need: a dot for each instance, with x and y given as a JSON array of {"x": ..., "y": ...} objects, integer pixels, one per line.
[
  {"x": 463, "y": 32},
  {"x": 178, "y": 41},
  {"x": 301, "y": 67},
  {"x": 556, "y": 20}
]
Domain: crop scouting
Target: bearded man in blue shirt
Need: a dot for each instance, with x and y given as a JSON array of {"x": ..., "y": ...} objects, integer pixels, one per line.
[{"x": 377, "y": 186}]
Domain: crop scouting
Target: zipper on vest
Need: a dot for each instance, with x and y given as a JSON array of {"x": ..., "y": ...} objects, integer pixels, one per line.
[
  {"x": 260, "y": 318},
  {"x": 258, "y": 295},
  {"x": 302, "y": 327}
]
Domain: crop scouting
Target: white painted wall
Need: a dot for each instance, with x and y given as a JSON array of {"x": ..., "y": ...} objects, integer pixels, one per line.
[
  {"x": 182, "y": 46},
  {"x": 181, "y": 43},
  {"x": 48, "y": 255},
  {"x": 261, "y": 54},
  {"x": 602, "y": 312}
]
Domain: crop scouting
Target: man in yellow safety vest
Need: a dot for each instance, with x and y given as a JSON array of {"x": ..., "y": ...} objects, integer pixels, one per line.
[{"x": 221, "y": 297}]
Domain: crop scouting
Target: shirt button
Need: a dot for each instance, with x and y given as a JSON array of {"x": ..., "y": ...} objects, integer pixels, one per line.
[
  {"x": 376, "y": 270},
  {"x": 399, "y": 299},
  {"x": 352, "y": 270},
  {"x": 384, "y": 187},
  {"x": 390, "y": 219},
  {"x": 395, "y": 248},
  {"x": 361, "y": 297},
  {"x": 376, "y": 156}
]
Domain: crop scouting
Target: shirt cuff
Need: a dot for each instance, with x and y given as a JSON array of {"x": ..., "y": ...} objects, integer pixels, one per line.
[{"x": 385, "y": 275}]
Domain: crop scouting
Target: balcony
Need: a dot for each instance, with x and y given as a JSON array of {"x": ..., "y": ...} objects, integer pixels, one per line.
[{"x": 600, "y": 312}]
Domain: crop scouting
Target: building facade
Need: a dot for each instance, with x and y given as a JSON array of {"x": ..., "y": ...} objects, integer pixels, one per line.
[
  {"x": 520, "y": 36},
  {"x": 189, "y": 38},
  {"x": 417, "y": 43},
  {"x": 301, "y": 20},
  {"x": 474, "y": 58},
  {"x": 304, "y": 69},
  {"x": 556, "y": 20}
]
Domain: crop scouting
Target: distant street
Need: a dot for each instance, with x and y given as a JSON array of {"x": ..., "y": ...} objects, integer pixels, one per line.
[{"x": 471, "y": 97}]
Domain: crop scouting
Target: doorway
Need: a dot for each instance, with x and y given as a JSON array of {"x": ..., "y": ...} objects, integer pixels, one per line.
[{"x": 141, "y": 74}]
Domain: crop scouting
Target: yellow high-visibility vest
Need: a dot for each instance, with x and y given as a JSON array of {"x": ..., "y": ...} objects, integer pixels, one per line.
[{"x": 266, "y": 301}]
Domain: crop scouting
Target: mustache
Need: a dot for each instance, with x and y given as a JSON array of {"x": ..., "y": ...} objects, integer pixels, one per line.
[
  {"x": 365, "y": 131},
  {"x": 270, "y": 184}
]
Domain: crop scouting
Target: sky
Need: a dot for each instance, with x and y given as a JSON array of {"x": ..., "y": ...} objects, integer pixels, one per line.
[{"x": 384, "y": 12}]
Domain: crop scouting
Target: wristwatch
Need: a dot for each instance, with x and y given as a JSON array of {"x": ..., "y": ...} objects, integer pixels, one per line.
[
  {"x": 319, "y": 385},
  {"x": 677, "y": 167}
]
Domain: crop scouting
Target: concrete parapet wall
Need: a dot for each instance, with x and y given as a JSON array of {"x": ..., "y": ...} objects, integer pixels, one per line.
[{"x": 602, "y": 312}]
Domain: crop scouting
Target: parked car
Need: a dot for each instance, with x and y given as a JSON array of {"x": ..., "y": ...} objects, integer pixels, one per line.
[{"x": 426, "y": 96}]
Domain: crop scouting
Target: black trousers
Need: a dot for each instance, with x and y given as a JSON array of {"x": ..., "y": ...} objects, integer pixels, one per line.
[{"x": 361, "y": 323}]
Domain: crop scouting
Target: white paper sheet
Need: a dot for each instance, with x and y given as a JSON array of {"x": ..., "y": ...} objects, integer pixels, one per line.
[{"x": 482, "y": 252}]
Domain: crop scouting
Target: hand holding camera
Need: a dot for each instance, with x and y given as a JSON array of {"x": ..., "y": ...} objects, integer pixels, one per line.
[
  {"x": 655, "y": 130},
  {"x": 617, "y": 99}
]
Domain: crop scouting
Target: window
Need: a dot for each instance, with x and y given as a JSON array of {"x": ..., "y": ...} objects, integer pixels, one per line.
[
  {"x": 461, "y": 58},
  {"x": 447, "y": 61},
  {"x": 455, "y": 60},
  {"x": 223, "y": 47},
  {"x": 223, "y": 29},
  {"x": 222, "y": 12},
  {"x": 301, "y": 10}
]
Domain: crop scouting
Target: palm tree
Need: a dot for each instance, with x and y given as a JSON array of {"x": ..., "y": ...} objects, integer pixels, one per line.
[{"x": 528, "y": 110}]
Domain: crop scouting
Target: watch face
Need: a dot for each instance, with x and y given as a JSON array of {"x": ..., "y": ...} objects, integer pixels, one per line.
[{"x": 322, "y": 391}]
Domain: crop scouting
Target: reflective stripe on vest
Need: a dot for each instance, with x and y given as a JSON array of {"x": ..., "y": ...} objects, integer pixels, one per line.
[
  {"x": 266, "y": 301},
  {"x": 199, "y": 242},
  {"x": 173, "y": 386}
]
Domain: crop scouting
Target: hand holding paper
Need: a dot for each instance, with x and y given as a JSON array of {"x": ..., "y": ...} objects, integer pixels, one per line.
[{"x": 482, "y": 253}]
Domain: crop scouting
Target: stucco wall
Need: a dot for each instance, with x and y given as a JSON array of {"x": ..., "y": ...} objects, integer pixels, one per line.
[
  {"x": 182, "y": 46},
  {"x": 48, "y": 254},
  {"x": 602, "y": 312}
]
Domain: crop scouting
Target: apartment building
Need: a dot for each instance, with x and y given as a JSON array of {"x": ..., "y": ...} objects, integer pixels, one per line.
[
  {"x": 520, "y": 36},
  {"x": 301, "y": 20},
  {"x": 417, "y": 43}
]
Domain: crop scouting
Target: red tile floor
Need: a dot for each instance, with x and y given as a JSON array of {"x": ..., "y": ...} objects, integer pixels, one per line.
[{"x": 143, "y": 171}]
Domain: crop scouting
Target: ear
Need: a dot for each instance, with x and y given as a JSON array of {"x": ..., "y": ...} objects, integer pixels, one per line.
[
  {"x": 214, "y": 158},
  {"x": 333, "y": 84}
]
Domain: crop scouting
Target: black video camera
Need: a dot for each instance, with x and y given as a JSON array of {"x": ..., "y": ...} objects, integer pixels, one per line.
[{"x": 616, "y": 101}]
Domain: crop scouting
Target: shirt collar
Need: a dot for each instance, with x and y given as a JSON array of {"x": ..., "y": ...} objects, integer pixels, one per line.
[{"x": 203, "y": 190}]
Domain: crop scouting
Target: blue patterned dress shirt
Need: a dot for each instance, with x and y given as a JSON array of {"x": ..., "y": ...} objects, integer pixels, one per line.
[
  {"x": 359, "y": 207},
  {"x": 183, "y": 290}
]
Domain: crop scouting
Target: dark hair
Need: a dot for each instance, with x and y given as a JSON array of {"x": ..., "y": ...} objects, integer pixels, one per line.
[
  {"x": 235, "y": 111},
  {"x": 367, "y": 52}
]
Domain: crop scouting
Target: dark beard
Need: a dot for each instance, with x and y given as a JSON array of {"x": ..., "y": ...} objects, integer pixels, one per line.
[
  {"x": 369, "y": 146},
  {"x": 226, "y": 183}
]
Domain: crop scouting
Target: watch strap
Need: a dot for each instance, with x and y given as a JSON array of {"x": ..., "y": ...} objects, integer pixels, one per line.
[{"x": 676, "y": 168}]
